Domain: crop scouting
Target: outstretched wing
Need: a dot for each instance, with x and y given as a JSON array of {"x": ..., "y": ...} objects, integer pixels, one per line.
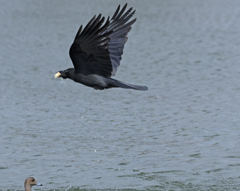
[
  {"x": 98, "y": 48},
  {"x": 118, "y": 38}
]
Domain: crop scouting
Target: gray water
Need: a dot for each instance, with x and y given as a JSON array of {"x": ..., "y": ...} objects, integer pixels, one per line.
[{"x": 182, "y": 134}]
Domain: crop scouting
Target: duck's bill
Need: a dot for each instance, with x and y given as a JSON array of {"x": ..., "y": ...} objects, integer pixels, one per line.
[
  {"x": 38, "y": 184},
  {"x": 57, "y": 75}
]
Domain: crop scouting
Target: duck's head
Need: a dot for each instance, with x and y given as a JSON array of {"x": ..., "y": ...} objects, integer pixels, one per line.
[{"x": 29, "y": 182}]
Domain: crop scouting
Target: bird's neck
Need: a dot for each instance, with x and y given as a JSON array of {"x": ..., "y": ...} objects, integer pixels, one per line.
[{"x": 28, "y": 188}]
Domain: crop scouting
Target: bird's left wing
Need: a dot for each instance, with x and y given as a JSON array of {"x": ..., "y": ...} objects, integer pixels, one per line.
[{"x": 89, "y": 51}]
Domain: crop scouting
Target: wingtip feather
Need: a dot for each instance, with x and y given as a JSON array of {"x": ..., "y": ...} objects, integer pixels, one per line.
[{"x": 116, "y": 12}]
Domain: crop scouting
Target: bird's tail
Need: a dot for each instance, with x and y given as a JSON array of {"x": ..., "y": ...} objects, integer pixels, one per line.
[{"x": 116, "y": 83}]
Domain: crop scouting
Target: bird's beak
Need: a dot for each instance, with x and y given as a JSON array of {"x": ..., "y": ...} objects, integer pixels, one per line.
[
  {"x": 38, "y": 184},
  {"x": 57, "y": 75}
]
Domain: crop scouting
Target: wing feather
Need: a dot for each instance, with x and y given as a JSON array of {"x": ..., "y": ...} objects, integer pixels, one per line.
[
  {"x": 98, "y": 48},
  {"x": 116, "y": 12}
]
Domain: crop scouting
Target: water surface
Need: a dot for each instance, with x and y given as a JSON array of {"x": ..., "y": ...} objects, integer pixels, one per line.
[{"x": 182, "y": 134}]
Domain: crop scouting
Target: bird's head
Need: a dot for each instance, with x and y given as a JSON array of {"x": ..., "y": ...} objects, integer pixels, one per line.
[
  {"x": 63, "y": 74},
  {"x": 29, "y": 182}
]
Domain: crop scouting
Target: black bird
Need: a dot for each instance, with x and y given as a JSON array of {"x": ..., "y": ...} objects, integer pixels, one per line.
[{"x": 97, "y": 50}]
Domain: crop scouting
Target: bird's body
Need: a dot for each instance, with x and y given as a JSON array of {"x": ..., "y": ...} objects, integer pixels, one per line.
[
  {"x": 97, "y": 49},
  {"x": 99, "y": 82},
  {"x": 92, "y": 80}
]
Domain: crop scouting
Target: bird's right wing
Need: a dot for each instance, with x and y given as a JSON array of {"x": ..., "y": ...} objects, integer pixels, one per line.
[{"x": 118, "y": 38}]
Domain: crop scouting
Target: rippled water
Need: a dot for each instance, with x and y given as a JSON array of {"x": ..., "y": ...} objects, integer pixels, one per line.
[{"x": 182, "y": 134}]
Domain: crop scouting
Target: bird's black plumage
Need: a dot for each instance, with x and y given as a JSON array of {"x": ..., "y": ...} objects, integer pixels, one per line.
[{"x": 97, "y": 50}]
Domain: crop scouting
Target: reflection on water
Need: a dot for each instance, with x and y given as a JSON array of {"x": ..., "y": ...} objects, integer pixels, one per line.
[{"x": 182, "y": 134}]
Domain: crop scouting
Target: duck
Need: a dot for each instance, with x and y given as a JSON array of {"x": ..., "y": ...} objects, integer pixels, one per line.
[{"x": 29, "y": 182}]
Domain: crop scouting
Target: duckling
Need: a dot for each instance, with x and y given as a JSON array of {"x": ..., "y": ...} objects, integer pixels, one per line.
[{"x": 29, "y": 182}]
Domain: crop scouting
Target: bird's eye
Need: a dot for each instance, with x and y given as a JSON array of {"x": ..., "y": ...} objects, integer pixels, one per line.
[{"x": 33, "y": 180}]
